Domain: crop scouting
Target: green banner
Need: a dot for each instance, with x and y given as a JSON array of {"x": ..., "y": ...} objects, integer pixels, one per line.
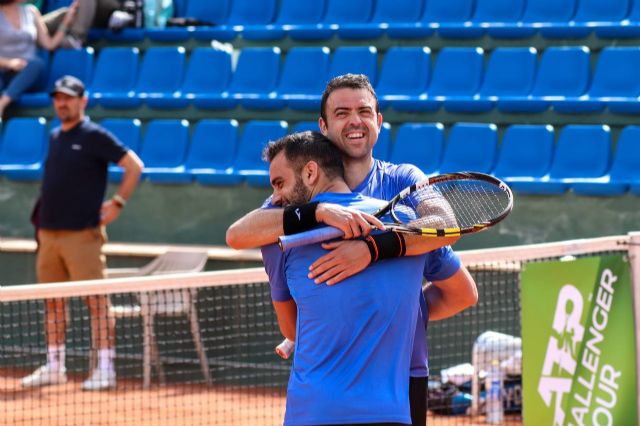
[{"x": 579, "y": 356}]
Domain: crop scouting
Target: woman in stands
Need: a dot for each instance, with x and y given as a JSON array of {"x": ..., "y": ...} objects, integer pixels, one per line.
[{"x": 22, "y": 30}]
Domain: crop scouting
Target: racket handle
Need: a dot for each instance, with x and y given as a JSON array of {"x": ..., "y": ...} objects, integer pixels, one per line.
[
  {"x": 310, "y": 237},
  {"x": 285, "y": 349}
]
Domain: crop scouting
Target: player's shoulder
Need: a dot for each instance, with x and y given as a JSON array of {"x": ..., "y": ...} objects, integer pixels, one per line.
[{"x": 403, "y": 171}]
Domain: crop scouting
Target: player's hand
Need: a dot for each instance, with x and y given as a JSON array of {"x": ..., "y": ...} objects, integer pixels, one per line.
[
  {"x": 109, "y": 212},
  {"x": 353, "y": 223},
  {"x": 16, "y": 64},
  {"x": 346, "y": 258}
]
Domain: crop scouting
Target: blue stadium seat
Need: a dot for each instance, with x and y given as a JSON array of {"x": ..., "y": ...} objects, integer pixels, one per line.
[
  {"x": 616, "y": 80},
  {"x": 75, "y": 62},
  {"x": 51, "y": 5},
  {"x": 583, "y": 152},
  {"x": 525, "y": 155},
  {"x": 303, "y": 126},
  {"x": 338, "y": 13},
  {"x": 126, "y": 35},
  {"x": 301, "y": 19},
  {"x": 304, "y": 76},
  {"x": 210, "y": 158},
  {"x": 127, "y": 131},
  {"x": 386, "y": 14},
  {"x": 207, "y": 79},
  {"x": 543, "y": 16},
  {"x": 627, "y": 27},
  {"x": 508, "y": 78},
  {"x": 495, "y": 15},
  {"x": 470, "y": 147},
  {"x": 404, "y": 77},
  {"x": 242, "y": 13},
  {"x": 180, "y": 7},
  {"x": 624, "y": 172},
  {"x": 164, "y": 148},
  {"x": 625, "y": 169},
  {"x": 457, "y": 75},
  {"x": 451, "y": 18},
  {"x": 255, "y": 136},
  {"x": 355, "y": 60},
  {"x": 291, "y": 14},
  {"x": 23, "y": 148},
  {"x": 420, "y": 144},
  {"x": 563, "y": 72},
  {"x": 114, "y": 86},
  {"x": 593, "y": 14},
  {"x": 255, "y": 90},
  {"x": 551, "y": 16},
  {"x": 212, "y": 12},
  {"x": 161, "y": 74},
  {"x": 382, "y": 148}
]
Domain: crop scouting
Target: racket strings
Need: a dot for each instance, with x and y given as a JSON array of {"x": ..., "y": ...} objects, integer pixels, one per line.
[{"x": 453, "y": 204}]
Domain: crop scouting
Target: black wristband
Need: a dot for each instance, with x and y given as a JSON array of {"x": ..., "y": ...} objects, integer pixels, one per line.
[
  {"x": 299, "y": 218},
  {"x": 386, "y": 246}
]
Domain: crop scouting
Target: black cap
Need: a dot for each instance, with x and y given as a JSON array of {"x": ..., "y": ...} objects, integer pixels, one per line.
[{"x": 68, "y": 85}]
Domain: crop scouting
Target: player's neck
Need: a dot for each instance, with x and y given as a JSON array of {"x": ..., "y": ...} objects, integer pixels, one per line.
[
  {"x": 334, "y": 185},
  {"x": 70, "y": 124},
  {"x": 356, "y": 169}
]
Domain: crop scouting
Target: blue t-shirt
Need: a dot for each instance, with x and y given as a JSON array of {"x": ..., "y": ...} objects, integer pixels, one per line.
[
  {"x": 349, "y": 366},
  {"x": 75, "y": 176},
  {"x": 383, "y": 182}
]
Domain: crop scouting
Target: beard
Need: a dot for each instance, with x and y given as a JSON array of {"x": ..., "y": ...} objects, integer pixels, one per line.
[{"x": 299, "y": 195}]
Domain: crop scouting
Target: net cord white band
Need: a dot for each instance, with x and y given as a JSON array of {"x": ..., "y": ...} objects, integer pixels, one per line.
[{"x": 257, "y": 275}]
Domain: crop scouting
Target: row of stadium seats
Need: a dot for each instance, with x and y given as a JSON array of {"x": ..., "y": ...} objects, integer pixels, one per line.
[
  {"x": 216, "y": 152},
  {"x": 397, "y": 19},
  {"x": 514, "y": 79}
]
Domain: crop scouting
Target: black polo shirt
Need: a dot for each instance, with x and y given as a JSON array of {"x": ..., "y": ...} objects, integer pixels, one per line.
[{"x": 75, "y": 176}]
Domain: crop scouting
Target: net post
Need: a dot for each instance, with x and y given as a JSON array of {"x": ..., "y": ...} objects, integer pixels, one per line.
[{"x": 634, "y": 260}]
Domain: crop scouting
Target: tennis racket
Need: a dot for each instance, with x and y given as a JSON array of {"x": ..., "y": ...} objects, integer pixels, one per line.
[
  {"x": 285, "y": 349},
  {"x": 446, "y": 205}
]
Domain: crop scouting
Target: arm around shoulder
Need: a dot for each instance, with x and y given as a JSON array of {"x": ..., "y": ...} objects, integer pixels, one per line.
[{"x": 255, "y": 229}]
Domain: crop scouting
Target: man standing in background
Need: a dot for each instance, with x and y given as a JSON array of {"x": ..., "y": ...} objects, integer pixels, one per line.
[{"x": 72, "y": 218}]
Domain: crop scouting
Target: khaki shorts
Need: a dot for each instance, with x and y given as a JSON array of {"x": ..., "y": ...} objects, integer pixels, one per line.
[{"x": 65, "y": 255}]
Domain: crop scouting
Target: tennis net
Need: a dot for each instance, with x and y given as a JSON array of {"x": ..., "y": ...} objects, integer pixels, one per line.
[{"x": 199, "y": 348}]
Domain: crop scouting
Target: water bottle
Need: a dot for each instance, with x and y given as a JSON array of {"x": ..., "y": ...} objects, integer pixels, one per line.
[
  {"x": 164, "y": 13},
  {"x": 494, "y": 392},
  {"x": 150, "y": 14}
]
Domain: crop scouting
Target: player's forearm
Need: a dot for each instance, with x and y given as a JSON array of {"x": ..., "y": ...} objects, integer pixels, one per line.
[
  {"x": 417, "y": 245},
  {"x": 287, "y": 314},
  {"x": 450, "y": 296},
  {"x": 257, "y": 228}
]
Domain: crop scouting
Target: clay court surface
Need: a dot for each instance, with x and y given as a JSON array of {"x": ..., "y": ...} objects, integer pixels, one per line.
[{"x": 130, "y": 404}]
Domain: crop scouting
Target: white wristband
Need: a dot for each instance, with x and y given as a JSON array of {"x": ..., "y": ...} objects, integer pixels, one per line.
[{"x": 119, "y": 200}]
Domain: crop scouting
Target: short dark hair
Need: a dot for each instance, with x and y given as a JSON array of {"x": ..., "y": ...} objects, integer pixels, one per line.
[
  {"x": 3, "y": 2},
  {"x": 347, "y": 81},
  {"x": 300, "y": 148}
]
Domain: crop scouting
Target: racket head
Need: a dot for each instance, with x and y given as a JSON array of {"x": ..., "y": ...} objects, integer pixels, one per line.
[{"x": 451, "y": 204}]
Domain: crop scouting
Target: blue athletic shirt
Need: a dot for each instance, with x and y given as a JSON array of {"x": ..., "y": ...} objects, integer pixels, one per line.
[
  {"x": 75, "y": 176},
  {"x": 349, "y": 366},
  {"x": 383, "y": 182}
]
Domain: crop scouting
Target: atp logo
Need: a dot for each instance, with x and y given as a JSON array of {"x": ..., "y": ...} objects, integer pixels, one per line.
[{"x": 562, "y": 351}]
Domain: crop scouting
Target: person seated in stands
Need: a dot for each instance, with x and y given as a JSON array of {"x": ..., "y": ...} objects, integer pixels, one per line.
[
  {"x": 22, "y": 30},
  {"x": 90, "y": 14}
]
